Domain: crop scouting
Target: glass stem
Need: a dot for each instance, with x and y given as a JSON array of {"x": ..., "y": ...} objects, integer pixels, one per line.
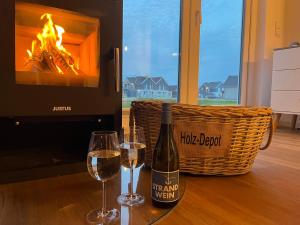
[
  {"x": 131, "y": 182},
  {"x": 103, "y": 199}
]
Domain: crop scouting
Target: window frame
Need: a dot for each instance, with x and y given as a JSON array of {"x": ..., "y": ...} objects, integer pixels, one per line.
[
  {"x": 247, "y": 48},
  {"x": 188, "y": 79},
  {"x": 189, "y": 51},
  {"x": 190, "y": 47}
]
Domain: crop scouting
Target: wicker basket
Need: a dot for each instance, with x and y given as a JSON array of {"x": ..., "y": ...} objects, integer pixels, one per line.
[{"x": 249, "y": 127}]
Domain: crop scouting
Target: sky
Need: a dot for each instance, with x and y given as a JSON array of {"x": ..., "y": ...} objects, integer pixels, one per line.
[{"x": 151, "y": 31}]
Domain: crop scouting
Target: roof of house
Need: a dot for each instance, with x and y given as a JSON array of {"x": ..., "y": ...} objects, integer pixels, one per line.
[
  {"x": 173, "y": 87},
  {"x": 137, "y": 80},
  {"x": 141, "y": 79},
  {"x": 214, "y": 84},
  {"x": 156, "y": 79},
  {"x": 231, "y": 81}
]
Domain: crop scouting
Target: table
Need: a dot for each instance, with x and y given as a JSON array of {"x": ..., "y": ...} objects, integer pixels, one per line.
[
  {"x": 268, "y": 195},
  {"x": 67, "y": 199}
]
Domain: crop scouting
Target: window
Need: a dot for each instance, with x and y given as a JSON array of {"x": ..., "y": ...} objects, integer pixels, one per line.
[
  {"x": 152, "y": 33},
  {"x": 220, "y": 52},
  {"x": 151, "y": 38}
]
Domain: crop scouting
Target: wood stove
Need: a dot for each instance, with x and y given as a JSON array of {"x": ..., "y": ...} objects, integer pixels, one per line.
[{"x": 60, "y": 73}]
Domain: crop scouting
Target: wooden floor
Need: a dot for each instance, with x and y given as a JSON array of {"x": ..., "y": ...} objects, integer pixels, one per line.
[{"x": 268, "y": 195}]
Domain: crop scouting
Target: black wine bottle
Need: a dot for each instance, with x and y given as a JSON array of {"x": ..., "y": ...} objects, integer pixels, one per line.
[{"x": 165, "y": 164}]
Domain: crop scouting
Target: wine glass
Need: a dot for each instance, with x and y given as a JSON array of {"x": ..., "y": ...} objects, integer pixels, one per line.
[
  {"x": 132, "y": 145},
  {"x": 103, "y": 163}
]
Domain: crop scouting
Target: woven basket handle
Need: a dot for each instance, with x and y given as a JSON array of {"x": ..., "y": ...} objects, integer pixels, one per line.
[{"x": 271, "y": 130}]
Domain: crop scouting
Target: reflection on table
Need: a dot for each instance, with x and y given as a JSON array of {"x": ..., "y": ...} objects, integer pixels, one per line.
[
  {"x": 142, "y": 214},
  {"x": 67, "y": 199}
]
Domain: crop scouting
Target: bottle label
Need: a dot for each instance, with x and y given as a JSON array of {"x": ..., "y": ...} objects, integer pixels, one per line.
[{"x": 165, "y": 186}]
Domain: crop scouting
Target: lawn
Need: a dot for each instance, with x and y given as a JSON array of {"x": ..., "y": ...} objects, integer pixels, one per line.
[
  {"x": 216, "y": 101},
  {"x": 204, "y": 101}
]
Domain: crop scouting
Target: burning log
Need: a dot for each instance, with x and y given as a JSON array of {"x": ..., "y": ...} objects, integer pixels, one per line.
[
  {"x": 34, "y": 66},
  {"x": 49, "y": 63},
  {"x": 34, "y": 62},
  {"x": 49, "y": 55},
  {"x": 60, "y": 60}
]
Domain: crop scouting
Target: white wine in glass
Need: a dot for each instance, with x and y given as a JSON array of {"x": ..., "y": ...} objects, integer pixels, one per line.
[
  {"x": 133, "y": 147},
  {"x": 133, "y": 154},
  {"x": 103, "y": 163}
]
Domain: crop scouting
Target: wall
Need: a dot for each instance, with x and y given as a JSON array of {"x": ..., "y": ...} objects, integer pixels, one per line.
[
  {"x": 230, "y": 93},
  {"x": 292, "y": 20},
  {"x": 266, "y": 33},
  {"x": 274, "y": 24},
  {"x": 291, "y": 34}
]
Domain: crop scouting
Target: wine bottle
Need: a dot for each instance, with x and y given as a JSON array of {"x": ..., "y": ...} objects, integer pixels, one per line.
[{"x": 165, "y": 165}]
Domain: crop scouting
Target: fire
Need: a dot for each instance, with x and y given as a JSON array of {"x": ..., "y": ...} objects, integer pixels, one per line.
[{"x": 48, "y": 53}]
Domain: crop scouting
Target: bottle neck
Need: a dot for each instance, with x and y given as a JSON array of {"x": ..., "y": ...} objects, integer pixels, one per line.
[
  {"x": 166, "y": 118},
  {"x": 165, "y": 129},
  {"x": 166, "y": 124}
]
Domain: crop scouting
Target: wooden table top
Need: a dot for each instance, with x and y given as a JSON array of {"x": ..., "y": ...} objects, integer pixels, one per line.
[
  {"x": 67, "y": 199},
  {"x": 268, "y": 195}
]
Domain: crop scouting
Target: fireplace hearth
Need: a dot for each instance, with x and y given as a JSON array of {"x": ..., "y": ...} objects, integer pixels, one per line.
[
  {"x": 60, "y": 66},
  {"x": 33, "y": 149}
]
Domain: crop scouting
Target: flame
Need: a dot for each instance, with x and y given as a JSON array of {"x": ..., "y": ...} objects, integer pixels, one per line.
[
  {"x": 29, "y": 53},
  {"x": 52, "y": 35},
  {"x": 59, "y": 70},
  {"x": 60, "y": 32}
]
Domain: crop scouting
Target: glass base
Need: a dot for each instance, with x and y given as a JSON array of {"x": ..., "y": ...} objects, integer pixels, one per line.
[
  {"x": 97, "y": 217},
  {"x": 131, "y": 199}
]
